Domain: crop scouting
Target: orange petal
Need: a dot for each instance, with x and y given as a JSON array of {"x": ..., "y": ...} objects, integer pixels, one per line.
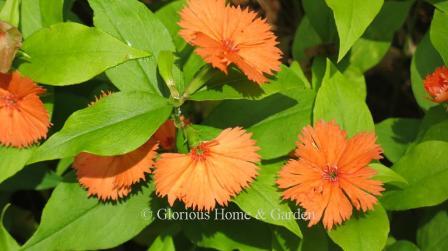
[
  {"x": 112, "y": 177},
  {"x": 331, "y": 174},
  {"x": 226, "y": 34},
  {"x": 211, "y": 173},
  {"x": 24, "y": 117}
]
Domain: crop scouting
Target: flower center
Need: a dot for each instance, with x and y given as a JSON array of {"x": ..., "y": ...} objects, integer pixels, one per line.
[
  {"x": 229, "y": 46},
  {"x": 330, "y": 173},
  {"x": 9, "y": 101},
  {"x": 202, "y": 150}
]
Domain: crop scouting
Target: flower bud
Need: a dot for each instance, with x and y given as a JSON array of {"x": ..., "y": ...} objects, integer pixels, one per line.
[{"x": 10, "y": 42}]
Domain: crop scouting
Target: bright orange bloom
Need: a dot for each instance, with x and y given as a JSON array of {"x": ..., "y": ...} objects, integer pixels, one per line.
[
  {"x": 112, "y": 177},
  {"x": 332, "y": 173},
  {"x": 436, "y": 84},
  {"x": 227, "y": 34},
  {"x": 211, "y": 173},
  {"x": 23, "y": 117}
]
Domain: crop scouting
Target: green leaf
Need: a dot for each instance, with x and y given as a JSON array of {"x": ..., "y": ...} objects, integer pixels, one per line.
[
  {"x": 13, "y": 160},
  {"x": 304, "y": 38},
  {"x": 34, "y": 177},
  {"x": 30, "y": 20},
  {"x": 115, "y": 125},
  {"x": 163, "y": 243},
  {"x": 7, "y": 242},
  {"x": 169, "y": 16},
  {"x": 236, "y": 86},
  {"x": 367, "y": 231},
  {"x": 338, "y": 100},
  {"x": 133, "y": 23},
  {"x": 402, "y": 246},
  {"x": 432, "y": 234},
  {"x": 424, "y": 167},
  {"x": 321, "y": 19},
  {"x": 10, "y": 12},
  {"x": 439, "y": 34},
  {"x": 370, "y": 49},
  {"x": 262, "y": 200},
  {"x": 51, "y": 11},
  {"x": 395, "y": 135},
  {"x": 352, "y": 19},
  {"x": 284, "y": 113},
  {"x": 440, "y": 4},
  {"x": 250, "y": 235},
  {"x": 425, "y": 61},
  {"x": 57, "y": 57},
  {"x": 86, "y": 223},
  {"x": 387, "y": 175}
]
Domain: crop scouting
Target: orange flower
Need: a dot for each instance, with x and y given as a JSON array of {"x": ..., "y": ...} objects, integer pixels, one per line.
[
  {"x": 211, "y": 173},
  {"x": 112, "y": 177},
  {"x": 332, "y": 174},
  {"x": 436, "y": 84},
  {"x": 227, "y": 34},
  {"x": 23, "y": 117}
]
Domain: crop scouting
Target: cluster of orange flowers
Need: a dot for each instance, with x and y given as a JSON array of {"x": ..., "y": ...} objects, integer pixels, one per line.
[{"x": 328, "y": 177}]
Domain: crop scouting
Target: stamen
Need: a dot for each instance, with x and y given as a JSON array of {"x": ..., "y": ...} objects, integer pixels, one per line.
[{"x": 330, "y": 173}]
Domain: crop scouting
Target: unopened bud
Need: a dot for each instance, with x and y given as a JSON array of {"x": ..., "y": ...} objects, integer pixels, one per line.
[{"x": 10, "y": 42}]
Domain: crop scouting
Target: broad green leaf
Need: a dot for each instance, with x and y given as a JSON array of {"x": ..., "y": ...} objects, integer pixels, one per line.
[
  {"x": 7, "y": 242},
  {"x": 163, "y": 243},
  {"x": 367, "y": 231},
  {"x": 247, "y": 235},
  {"x": 133, "y": 23},
  {"x": 305, "y": 38},
  {"x": 440, "y": 4},
  {"x": 115, "y": 125},
  {"x": 237, "y": 86},
  {"x": 262, "y": 200},
  {"x": 387, "y": 175},
  {"x": 432, "y": 234},
  {"x": 321, "y": 19},
  {"x": 431, "y": 127},
  {"x": 30, "y": 20},
  {"x": 338, "y": 100},
  {"x": 395, "y": 135},
  {"x": 56, "y": 56},
  {"x": 33, "y": 177},
  {"x": 352, "y": 19},
  {"x": 284, "y": 113},
  {"x": 424, "y": 167},
  {"x": 439, "y": 34},
  {"x": 13, "y": 160},
  {"x": 169, "y": 16},
  {"x": 87, "y": 224},
  {"x": 51, "y": 11},
  {"x": 425, "y": 61},
  {"x": 402, "y": 246},
  {"x": 370, "y": 49},
  {"x": 10, "y": 12}
]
